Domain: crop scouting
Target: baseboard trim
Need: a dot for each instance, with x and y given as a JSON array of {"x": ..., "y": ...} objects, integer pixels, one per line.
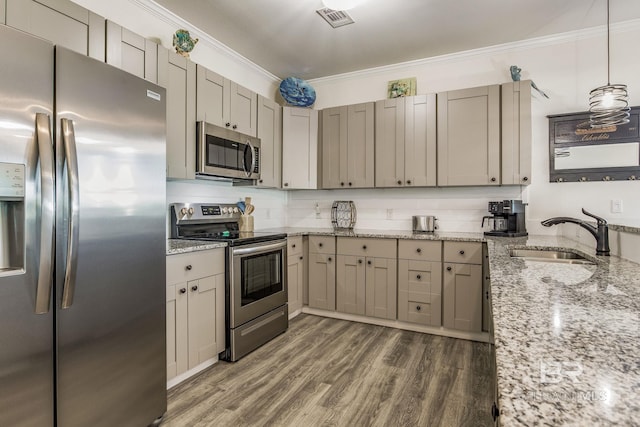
[{"x": 191, "y": 372}]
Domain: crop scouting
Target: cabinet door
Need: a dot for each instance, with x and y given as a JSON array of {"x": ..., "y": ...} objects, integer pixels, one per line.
[
  {"x": 270, "y": 134},
  {"x": 516, "y": 132},
  {"x": 350, "y": 284},
  {"x": 381, "y": 287},
  {"x": 360, "y": 147},
  {"x": 389, "y": 145},
  {"x": 420, "y": 292},
  {"x": 334, "y": 147},
  {"x": 469, "y": 136},
  {"x": 131, "y": 52},
  {"x": 178, "y": 75},
  {"x": 243, "y": 109},
  {"x": 206, "y": 334},
  {"x": 177, "y": 330},
  {"x": 299, "y": 148},
  {"x": 212, "y": 95},
  {"x": 295, "y": 279},
  {"x": 462, "y": 297},
  {"x": 60, "y": 21},
  {"x": 322, "y": 281},
  {"x": 420, "y": 141}
]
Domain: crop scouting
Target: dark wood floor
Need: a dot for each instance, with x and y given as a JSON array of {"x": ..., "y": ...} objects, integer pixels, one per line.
[{"x": 327, "y": 372}]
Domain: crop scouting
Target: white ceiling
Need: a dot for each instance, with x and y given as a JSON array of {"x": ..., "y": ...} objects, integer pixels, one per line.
[{"x": 288, "y": 37}]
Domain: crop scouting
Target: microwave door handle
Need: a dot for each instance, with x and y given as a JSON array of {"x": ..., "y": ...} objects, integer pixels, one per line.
[
  {"x": 253, "y": 160},
  {"x": 47, "y": 216},
  {"x": 69, "y": 142}
]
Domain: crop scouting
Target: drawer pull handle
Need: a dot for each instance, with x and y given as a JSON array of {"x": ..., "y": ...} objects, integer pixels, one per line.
[
  {"x": 188, "y": 267},
  {"x": 419, "y": 277},
  {"x": 448, "y": 268},
  {"x": 364, "y": 247},
  {"x": 461, "y": 252},
  {"x": 183, "y": 290},
  {"x": 418, "y": 308},
  {"x": 194, "y": 288},
  {"x": 418, "y": 250},
  {"x": 320, "y": 244}
]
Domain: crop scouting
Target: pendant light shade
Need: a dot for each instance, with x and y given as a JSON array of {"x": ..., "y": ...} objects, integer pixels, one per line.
[
  {"x": 609, "y": 104},
  {"x": 342, "y": 4}
]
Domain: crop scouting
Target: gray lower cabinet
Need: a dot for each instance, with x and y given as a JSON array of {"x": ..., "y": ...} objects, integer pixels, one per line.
[
  {"x": 131, "y": 52},
  {"x": 178, "y": 76},
  {"x": 516, "y": 132},
  {"x": 322, "y": 272},
  {"x": 420, "y": 282},
  {"x": 366, "y": 275},
  {"x": 469, "y": 136},
  {"x": 60, "y": 21},
  {"x": 406, "y": 142},
  {"x": 270, "y": 134},
  {"x": 295, "y": 273},
  {"x": 462, "y": 280}
]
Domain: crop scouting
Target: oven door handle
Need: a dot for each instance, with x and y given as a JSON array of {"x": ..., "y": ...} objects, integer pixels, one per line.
[{"x": 252, "y": 250}]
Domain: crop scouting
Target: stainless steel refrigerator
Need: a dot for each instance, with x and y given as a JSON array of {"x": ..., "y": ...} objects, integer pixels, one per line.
[{"x": 82, "y": 240}]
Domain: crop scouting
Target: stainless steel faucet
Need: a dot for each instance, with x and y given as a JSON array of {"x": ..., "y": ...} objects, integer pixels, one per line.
[{"x": 601, "y": 233}]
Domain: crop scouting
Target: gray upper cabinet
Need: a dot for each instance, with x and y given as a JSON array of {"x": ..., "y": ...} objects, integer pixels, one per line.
[
  {"x": 270, "y": 134},
  {"x": 516, "y": 132},
  {"x": 348, "y": 146},
  {"x": 406, "y": 141},
  {"x": 178, "y": 75},
  {"x": 469, "y": 136},
  {"x": 131, "y": 52},
  {"x": 60, "y": 21},
  {"x": 3, "y": 9},
  {"x": 225, "y": 103},
  {"x": 299, "y": 148}
]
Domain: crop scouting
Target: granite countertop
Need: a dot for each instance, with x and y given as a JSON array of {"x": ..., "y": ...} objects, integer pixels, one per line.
[
  {"x": 384, "y": 234},
  {"x": 181, "y": 246},
  {"x": 567, "y": 336}
]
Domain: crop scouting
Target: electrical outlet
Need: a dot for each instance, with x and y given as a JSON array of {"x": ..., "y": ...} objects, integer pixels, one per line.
[
  {"x": 389, "y": 213},
  {"x": 616, "y": 206},
  {"x": 317, "y": 210}
]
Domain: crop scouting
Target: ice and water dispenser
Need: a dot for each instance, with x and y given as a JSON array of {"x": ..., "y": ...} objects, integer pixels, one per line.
[{"x": 12, "y": 217}]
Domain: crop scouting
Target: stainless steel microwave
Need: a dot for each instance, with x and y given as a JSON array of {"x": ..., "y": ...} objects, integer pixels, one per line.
[{"x": 226, "y": 153}]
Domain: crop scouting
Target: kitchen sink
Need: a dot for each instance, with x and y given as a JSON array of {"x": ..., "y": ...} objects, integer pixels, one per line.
[{"x": 553, "y": 255}]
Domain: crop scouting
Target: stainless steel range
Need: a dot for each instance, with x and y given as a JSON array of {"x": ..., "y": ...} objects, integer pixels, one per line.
[{"x": 256, "y": 279}]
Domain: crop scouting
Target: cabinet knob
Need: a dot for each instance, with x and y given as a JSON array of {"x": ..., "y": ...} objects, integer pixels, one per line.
[
  {"x": 235, "y": 126},
  {"x": 342, "y": 184},
  {"x": 493, "y": 179},
  {"x": 293, "y": 246},
  {"x": 359, "y": 261},
  {"x": 525, "y": 179},
  {"x": 399, "y": 182},
  {"x": 194, "y": 288},
  {"x": 260, "y": 181},
  {"x": 462, "y": 252},
  {"x": 418, "y": 308},
  {"x": 487, "y": 294},
  {"x": 329, "y": 259},
  {"x": 349, "y": 184},
  {"x": 188, "y": 267},
  {"x": 364, "y": 247},
  {"x": 419, "y": 277},
  {"x": 418, "y": 250},
  {"x": 227, "y": 124},
  {"x": 448, "y": 268},
  {"x": 286, "y": 184},
  {"x": 369, "y": 262},
  {"x": 409, "y": 182},
  {"x": 183, "y": 290},
  {"x": 320, "y": 244},
  {"x": 301, "y": 257}
]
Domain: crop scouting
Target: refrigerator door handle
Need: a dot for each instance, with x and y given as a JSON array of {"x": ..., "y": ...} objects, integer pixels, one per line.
[
  {"x": 69, "y": 143},
  {"x": 47, "y": 216}
]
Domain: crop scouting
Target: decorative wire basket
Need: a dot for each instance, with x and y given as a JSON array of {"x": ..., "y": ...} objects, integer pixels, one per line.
[{"x": 343, "y": 215}]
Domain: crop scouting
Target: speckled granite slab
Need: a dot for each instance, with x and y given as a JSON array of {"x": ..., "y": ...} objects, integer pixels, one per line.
[
  {"x": 384, "y": 234},
  {"x": 181, "y": 246},
  {"x": 567, "y": 337}
]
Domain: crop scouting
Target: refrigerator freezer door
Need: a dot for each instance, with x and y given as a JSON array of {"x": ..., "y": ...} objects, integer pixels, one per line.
[
  {"x": 26, "y": 337},
  {"x": 111, "y": 357}
]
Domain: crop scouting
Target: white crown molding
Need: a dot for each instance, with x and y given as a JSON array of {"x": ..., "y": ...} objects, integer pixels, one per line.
[
  {"x": 570, "y": 36},
  {"x": 176, "y": 21}
]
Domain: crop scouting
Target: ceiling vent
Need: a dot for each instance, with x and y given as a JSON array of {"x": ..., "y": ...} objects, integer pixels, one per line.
[{"x": 335, "y": 18}]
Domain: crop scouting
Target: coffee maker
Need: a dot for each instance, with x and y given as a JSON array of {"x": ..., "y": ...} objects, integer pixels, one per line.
[{"x": 507, "y": 217}]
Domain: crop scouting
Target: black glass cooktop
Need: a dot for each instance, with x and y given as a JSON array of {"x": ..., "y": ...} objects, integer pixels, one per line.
[{"x": 235, "y": 237}]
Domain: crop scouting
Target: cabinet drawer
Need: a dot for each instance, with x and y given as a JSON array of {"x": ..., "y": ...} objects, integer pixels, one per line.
[
  {"x": 380, "y": 248},
  {"x": 420, "y": 250},
  {"x": 322, "y": 244},
  {"x": 194, "y": 265},
  {"x": 463, "y": 252},
  {"x": 294, "y": 245}
]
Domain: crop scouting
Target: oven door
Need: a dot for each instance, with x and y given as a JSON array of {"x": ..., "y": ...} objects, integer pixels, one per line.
[{"x": 258, "y": 282}]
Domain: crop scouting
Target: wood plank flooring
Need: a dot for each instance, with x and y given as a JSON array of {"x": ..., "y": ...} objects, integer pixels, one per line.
[{"x": 328, "y": 372}]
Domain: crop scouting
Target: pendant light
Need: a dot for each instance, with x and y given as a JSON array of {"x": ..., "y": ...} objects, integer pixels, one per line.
[
  {"x": 609, "y": 104},
  {"x": 342, "y": 4}
]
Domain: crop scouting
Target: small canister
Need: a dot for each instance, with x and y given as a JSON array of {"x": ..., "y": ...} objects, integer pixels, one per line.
[{"x": 424, "y": 223}]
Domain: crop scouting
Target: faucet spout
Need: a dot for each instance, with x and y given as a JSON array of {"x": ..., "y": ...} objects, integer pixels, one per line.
[{"x": 601, "y": 232}]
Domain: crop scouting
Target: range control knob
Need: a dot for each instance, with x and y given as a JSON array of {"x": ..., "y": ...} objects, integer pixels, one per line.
[
  {"x": 236, "y": 210},
  {"x": 224, "y": 210},
  {"x": 190, "y": 211},
  {"x": 183, "y": 211}
]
